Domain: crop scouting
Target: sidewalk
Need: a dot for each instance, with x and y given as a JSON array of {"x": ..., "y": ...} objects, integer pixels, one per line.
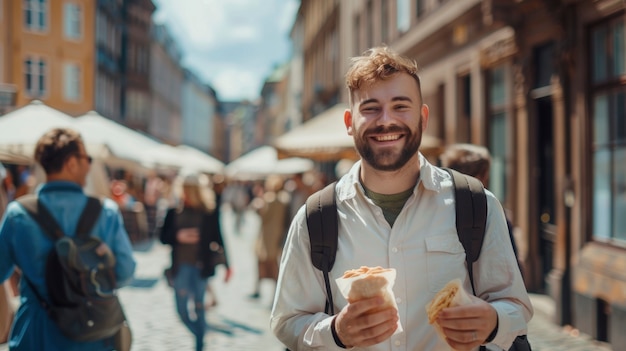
[{"x": 544, "y": 335}]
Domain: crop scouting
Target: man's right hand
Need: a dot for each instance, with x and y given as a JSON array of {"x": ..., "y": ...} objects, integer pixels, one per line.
[{"x": 357, "y": 326}]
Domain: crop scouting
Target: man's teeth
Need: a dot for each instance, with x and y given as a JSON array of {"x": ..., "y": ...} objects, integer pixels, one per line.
[{"x": 388, "y": 137}]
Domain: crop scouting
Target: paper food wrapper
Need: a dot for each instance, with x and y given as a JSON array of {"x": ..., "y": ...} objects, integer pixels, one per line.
[
  {"x": 366, "y": 282},
  {"x": 451, "y": 295}
]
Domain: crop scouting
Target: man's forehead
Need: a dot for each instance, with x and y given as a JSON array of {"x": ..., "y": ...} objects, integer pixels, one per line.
[{"x": 398, "y": 86}]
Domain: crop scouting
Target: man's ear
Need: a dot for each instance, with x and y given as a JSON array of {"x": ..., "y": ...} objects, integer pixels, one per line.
[
  {"x": 71, "y": 164},
  {"x": 347, "y": 120}
]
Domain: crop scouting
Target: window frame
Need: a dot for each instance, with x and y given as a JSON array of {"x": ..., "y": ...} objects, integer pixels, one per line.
[
  {"x": 609, "y": 143},
  {"x": 39, "y": 9},
  {"x": 77, "y": 81},
  {"x": 78, "y": 21},
  {"x": 34, "y": 76}
]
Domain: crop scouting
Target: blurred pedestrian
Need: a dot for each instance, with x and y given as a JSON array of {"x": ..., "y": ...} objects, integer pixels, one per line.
[
  {"x": 6, "y": 294},
  {"x": 272, "y": 207},
  {"x": 24, "y": 244},
  {"x": 219, "y": 184},
  {"x": 153, "y": 191},
  {"x": 4, "y": 196},
  {"x": 193, "y": 231},
  {"x": 120, "y": 194},
  {"x": 475, "y": 160}
]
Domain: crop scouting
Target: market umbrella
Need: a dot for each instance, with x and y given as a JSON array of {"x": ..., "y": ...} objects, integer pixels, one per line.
[{"x": 263, "y": 161}]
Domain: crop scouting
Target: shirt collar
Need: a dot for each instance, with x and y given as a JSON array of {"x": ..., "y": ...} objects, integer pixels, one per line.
[
  {"x": 60, "y": 185},
  {"x": 430, "y": 178}
]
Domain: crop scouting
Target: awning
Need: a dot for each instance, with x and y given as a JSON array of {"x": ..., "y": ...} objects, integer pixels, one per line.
[
  {"x": 322, "y": 138},
  {"x": 263, "y": 161},
  {"x": 325, "y": 138}
]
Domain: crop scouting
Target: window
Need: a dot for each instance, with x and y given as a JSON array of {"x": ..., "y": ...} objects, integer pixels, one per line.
[
  {"x": 72, "y": 21},
  {"x": 497, "y": 130},
  {"x": 419, "y": 8},
  {"x": 370, "y": 27},
  {"x": 35, "y": 77},
  {"x": 71, "y": 82},
  {"x": 609, "y": 130},
  {"x": 403, "y": 15},
  {"x": 384, "y": 21},
  {"x": 357, "y": 34},
  {"x": 142, "y": 59},
  {"x": 464, "y": 119},
  {"x": 35, "y": 15}
]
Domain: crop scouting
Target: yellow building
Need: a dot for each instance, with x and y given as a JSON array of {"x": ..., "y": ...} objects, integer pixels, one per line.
[{"x": 49, "y": 52}]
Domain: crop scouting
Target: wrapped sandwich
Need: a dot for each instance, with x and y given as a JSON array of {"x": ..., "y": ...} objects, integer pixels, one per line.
[
  {"x": 367, "y": 282},
  {"x": 451, "y": 295}
]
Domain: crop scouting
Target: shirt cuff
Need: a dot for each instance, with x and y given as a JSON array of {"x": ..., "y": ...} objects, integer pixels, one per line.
[
  {"x": 506, "y": 332},
  {"x": 325, "y": 329}
]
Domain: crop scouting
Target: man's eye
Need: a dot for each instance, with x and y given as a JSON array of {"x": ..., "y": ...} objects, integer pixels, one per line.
[{"x": 370, "y": 109}]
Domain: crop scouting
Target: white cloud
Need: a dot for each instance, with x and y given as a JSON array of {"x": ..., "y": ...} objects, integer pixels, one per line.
[{"x": 233, "y": 44}]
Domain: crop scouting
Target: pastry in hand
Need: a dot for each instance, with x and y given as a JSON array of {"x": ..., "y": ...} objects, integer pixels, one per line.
[
  {"x": 452, "y": 294},
  {"x": 443, "y": 299},
  {"x": 369, "y": 282}
]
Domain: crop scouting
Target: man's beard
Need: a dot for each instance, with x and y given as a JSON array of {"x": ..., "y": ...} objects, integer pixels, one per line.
[{"x": 389, "y": 160}]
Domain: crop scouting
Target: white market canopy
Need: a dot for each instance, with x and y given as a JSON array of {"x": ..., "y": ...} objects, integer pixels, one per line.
[
  {"x": 124, "y": 142},
  {"x": 263, "y": 161},
  {"x": 323, "y": 138},
  {"x": 21, "y": 129},
  {"x": 108, "y": 141}
]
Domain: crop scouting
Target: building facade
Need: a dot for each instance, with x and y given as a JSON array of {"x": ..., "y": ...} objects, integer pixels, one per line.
[
  {"x": 166, "y": 78},
  {"x": 79, "y": 55},
  {"x": 48, "y": 53},
  {"x": 272, "y": 117},
  {"x": 199, "y": 113},
  {"x": 109, "y": 81},
  {"x": 541, "y": 84},
  {"x": 136, "y": 98}
]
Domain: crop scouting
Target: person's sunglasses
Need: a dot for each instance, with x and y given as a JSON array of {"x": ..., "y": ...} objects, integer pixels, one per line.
[{"x": 87, "y": 157}]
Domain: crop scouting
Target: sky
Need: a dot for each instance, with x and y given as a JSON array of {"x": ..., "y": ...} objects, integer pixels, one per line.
[{"x": 232, "y": 45}]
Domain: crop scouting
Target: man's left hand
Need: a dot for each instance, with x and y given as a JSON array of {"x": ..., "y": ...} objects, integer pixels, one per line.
[{"x": 468, "y": 326}]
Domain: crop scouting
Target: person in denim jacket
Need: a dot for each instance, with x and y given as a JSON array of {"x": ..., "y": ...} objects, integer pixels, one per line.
[{"x": 23, "y": 244}]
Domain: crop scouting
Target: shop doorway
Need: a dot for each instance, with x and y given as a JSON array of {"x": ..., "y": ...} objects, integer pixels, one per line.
[{"x": 545, "y": 186}]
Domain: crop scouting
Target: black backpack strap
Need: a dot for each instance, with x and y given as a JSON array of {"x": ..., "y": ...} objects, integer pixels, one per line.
[
  {"x": 471, "y": 216},
  {"x": 49, "y": 225},
  {"x": 88, "y": 217},
  {"x": 41, "y": 215},
  {"x": 321, "y": 219}
]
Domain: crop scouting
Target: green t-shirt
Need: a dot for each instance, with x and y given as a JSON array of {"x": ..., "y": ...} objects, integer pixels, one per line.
[{"x": 390, "y": 204}]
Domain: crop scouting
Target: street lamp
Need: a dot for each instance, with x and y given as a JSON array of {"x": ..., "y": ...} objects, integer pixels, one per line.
[{"x": 8, "y": 97}]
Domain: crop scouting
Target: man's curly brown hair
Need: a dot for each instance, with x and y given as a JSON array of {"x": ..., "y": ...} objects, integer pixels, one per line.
[
  {"x": 376, "y": 64},
  {"x": 55, "y": 147}
]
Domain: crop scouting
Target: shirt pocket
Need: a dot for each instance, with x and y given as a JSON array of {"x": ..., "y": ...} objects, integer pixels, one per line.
[{"x": 445, "y": 258}]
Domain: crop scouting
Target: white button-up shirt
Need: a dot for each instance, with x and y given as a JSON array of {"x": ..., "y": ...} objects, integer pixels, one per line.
[{"x": 422, "y": 246}]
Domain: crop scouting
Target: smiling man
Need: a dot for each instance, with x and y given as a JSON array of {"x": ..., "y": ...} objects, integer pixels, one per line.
[{"x": 396, "y": 210}]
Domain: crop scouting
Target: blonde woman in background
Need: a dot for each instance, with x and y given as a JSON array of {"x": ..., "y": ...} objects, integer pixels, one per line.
[
  {"x": 272, "y": 207},
  {"x": 193, "y": 230}
]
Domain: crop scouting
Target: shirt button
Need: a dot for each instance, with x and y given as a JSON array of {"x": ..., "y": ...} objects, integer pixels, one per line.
[
  {"x": 398, "y": 300},
  {"x": 394, "y": 250},
  {"x": 398, "y": 343}
]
